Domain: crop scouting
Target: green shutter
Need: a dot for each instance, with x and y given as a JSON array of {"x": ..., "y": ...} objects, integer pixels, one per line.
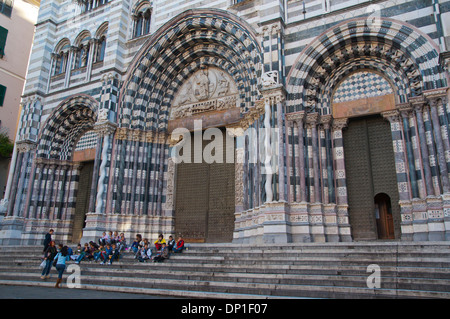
[
  {"x": 3, "y": 35},
  {"x": 2, "y": 94}
]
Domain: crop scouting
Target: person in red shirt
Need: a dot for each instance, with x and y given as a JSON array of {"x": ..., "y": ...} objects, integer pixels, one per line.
[{"x": 179, "y": 246}]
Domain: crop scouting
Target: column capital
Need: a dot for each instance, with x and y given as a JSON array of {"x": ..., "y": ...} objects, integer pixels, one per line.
[
  {"x": 296, "y": 116},
  {"x": 436, "y": 97},
  {"x": 312, "y": 118},
  {"x": 104, "y": 128},
  {"x": 405, "y": 109},
  {"x": 417, "y": 103},
  {"x": 339, "y": 124},
  {"x": 325, "y": 120},
  {"x": 25, "y": 146},
  {"x": 77, "y": 165},
  {"x": 391, "y": 116},
  {"x": 272, "y": 91}
]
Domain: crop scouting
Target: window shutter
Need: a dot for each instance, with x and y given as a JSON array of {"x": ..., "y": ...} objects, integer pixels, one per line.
[
  {"x": 2, "y": 94},
  {"x": 3, "y": 34}
]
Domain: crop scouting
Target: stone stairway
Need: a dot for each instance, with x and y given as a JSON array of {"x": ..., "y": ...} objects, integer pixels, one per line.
[{"x": 331, "y": 270}]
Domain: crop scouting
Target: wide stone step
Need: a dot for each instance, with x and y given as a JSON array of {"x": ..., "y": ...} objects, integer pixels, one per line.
[
  {"x": 136, "y": 267},
  {"x": 263, "y": 289},
  {"x": 352, "y": 280},
  {"x": 310, "y": 271}
]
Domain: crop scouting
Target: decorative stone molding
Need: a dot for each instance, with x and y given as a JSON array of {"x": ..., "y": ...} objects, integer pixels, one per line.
[
  {"x": 247, "y": 120},
  {"x": 325, "y": 120},
  {"x": 275, "y": 94},
  {"x": 339, "y": 124},
  {"x": 25, "y": 146},
  {"x": 312, "y": 119},
  {"x": 295, "y": 116},
  {"x": 391, "y": 116},
  {"x": 124, "y": 133},
  {"x": 105, "y": 128},
  {"x": 433, "y": 96}
]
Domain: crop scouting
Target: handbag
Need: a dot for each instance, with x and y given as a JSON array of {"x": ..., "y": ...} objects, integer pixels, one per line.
[
  {"x": 55, "y": 260},
  {"x": 43, "y": 263}
]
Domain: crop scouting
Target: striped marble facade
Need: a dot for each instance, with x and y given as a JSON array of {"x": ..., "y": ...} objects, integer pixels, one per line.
[{"x": 292, "y": 61}]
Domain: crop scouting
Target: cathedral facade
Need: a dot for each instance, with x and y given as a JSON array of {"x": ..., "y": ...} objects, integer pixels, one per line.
[{"x": 254, "y": 121}]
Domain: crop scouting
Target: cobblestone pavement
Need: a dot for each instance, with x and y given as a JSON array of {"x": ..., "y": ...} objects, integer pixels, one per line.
[{"x": 25, "y": 292}]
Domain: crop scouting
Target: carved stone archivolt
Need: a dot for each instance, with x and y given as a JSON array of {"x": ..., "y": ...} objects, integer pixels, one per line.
[{"x": 208, "y": 89}]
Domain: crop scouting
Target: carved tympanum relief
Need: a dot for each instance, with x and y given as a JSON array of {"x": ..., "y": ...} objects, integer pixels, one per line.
[{"x": 208, "y": 89}]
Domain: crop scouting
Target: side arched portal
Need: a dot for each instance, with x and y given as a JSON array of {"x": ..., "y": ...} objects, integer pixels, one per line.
[
  {"x": 331, "y": 83},
  {"x": 53, "y": 185}
]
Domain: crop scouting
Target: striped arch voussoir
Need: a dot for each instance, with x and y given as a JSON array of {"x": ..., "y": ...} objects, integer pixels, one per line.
[
  {"x": 73, "y": 117},
  {"x": 193, "y": 39},
  {"x": 400, "y": 51}
]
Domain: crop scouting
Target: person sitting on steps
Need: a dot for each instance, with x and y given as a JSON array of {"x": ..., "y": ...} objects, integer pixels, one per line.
[
  {"x": 164, "y": 254},
  {"x": 159, "y": 242}
]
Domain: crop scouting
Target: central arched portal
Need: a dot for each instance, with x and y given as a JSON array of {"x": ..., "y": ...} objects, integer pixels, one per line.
[
  {"x": 205, "y": 170},
  {"x": 196, "y": 74}
]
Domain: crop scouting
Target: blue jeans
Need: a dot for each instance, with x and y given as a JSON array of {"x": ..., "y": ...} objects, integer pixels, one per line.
[
  {"x": 48, "y": 266},
  {"x": 175, "y": 250},
  {"x": 60, "y": 268},
  {"x": 80, "y": 258},
  {"x": 114, "y": 256}
]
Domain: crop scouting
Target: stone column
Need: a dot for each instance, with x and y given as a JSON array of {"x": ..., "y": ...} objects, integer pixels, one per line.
[
  {"x": 274, "y": 213},
  {"x": 438, "y": 214},
  {"x": 95, "y": 220},
  {"x": 327, "y": 161},
  {"x": 51, "y": 71},
  {"x": 92, "y": 52},
  {"x": 281, "y": 150},
  {"x": 311, "y": 122},
  {"x": 422, "y": 138},
  {"x": 71, "y": 54},
  {"x": 442, "y": 163},
  {"x": 299, "y": 215},
  {"x": 405, "y": 112},
  {"x": 268, "y": 151},
  {"x": 296, "y": 120},
  {"x": 403, "y": 182},
  {"x": 12, "y": 225},
  {"x": 340, "y": 179}
]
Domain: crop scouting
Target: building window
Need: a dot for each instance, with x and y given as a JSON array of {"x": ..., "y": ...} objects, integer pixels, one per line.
[
  {"x": 61, "y": 62},
  {"x": 2, "y": 94},
  {"x": 6, "y": 7},
  {"x": 142, "y": 23},
  {"x": 82, "y": 56},
  {"x": 101, "y": 49},
  {"x": 92, "y": 4},
  {"x": 3, "y": 35}
]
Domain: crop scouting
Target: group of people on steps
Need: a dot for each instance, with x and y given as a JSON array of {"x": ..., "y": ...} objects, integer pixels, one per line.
[{"x": 108, "y": 250}]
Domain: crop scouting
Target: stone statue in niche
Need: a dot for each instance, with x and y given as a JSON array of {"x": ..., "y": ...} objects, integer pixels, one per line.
[{"x": 208, "y": 89}]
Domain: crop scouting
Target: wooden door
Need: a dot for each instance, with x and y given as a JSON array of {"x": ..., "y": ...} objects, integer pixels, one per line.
[
  {"x": 204, "y": 200},
  {"x": 383, "y": 216}
]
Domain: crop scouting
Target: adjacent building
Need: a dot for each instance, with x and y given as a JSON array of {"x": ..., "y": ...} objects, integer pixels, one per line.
[
  {"x": 254, "y": 121},
  {"x": 17, "y": 20}
]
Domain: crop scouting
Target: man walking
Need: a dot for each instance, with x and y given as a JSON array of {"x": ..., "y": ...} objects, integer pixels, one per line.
[{"x": 48, "y": 239}]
